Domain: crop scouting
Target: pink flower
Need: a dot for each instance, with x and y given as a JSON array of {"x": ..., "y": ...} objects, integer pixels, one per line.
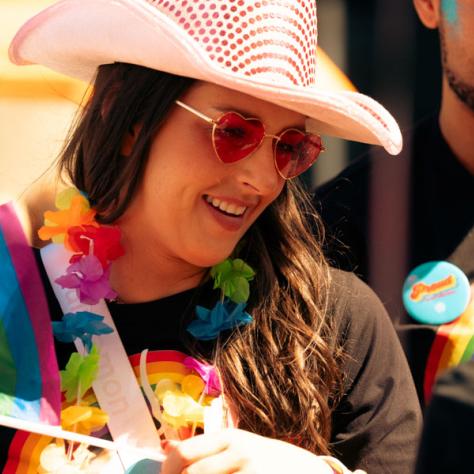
[
  {"x": 208, "y": 373},
  {"x": 90, "y": 280}
]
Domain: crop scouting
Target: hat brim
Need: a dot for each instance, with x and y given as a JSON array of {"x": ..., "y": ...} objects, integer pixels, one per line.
[{"x": 74, "y": 37}]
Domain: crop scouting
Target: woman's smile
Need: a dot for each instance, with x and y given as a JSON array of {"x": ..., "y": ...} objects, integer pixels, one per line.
[
  {"x": 226, "y": 207},
  {"x": 228, "y": 212}
]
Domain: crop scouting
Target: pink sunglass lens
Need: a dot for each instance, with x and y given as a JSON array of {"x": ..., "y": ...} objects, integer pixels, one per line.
[
  {"x": 296, "y": 151},
  {"x": 235, "y": 137}
]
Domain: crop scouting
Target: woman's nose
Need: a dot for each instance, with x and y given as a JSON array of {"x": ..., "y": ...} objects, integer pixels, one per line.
[{"x": 258, "y": 170}]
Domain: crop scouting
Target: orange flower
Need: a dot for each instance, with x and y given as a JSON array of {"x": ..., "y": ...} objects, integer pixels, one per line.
[{"x": 57, "y": 223}]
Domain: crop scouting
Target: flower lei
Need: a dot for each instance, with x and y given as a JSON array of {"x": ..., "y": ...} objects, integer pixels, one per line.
[
  {"x": 93, "y": 247},
  {"x": 180, "y": 407}
]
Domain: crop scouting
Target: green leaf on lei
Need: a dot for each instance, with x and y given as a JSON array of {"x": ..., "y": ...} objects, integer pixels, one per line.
[
  {"x": 232, "y": 277},
  {"x": 79, "y": 374}
]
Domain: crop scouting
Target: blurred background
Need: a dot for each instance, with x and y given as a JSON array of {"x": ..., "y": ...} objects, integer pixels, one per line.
[
  {"x": 379, "y": 44},
  {"x": 386, "y": 53},
  {"x": 36, "y": 107}
]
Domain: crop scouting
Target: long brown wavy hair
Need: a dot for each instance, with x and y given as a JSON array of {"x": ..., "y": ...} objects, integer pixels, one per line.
[{"x": 281, "y": 373}]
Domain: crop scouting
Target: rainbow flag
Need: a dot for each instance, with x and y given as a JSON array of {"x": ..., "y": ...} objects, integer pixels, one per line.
[
  {"x": 29, "y": 374},
  {"x": 453, "y": 345},
  {"x": 26, "y": 447}
]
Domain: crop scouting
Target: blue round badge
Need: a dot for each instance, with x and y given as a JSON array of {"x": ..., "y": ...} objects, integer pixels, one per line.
[{"x": 436, "y": 293}]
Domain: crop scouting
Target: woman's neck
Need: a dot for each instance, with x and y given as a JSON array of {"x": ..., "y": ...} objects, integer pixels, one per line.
[{"x": 144, "y": 274}]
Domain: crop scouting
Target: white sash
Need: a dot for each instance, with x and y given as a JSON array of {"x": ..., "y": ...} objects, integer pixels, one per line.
[{"x": 116, "y": 387}]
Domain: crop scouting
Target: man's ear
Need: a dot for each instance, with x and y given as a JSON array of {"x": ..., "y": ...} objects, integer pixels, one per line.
[
  {"x": 129, "y": 140},
  {"x": 429, "y": 12}
]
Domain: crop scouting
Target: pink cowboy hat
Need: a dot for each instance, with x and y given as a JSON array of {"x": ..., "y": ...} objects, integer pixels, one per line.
[{"x": 266, "y": 49}]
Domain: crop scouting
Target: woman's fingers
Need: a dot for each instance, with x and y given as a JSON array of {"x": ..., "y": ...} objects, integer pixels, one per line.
[
  {"x": 225, "y": 462},
  {"x": 180, "y": 455},
  {"x": 238, "y": 451}
]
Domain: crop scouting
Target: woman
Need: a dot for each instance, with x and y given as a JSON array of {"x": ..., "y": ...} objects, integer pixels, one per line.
[{"x": 197, "y": 168}]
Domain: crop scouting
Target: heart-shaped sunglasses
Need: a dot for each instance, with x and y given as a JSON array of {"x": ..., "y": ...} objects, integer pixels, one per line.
[{"x": 235, "y": 137}]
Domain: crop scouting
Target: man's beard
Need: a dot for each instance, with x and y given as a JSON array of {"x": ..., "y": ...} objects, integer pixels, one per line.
[{"x": 463, "y": 90}]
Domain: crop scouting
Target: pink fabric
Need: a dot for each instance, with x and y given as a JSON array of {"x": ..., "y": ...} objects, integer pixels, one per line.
[{"x": 37, "y": 306}]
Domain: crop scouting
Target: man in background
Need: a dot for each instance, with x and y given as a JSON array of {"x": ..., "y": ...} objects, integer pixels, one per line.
[{"x": 441, "y": 194}]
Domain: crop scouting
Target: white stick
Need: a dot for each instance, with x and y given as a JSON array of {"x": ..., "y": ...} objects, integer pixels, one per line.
[{"x": 58, "y": 432}]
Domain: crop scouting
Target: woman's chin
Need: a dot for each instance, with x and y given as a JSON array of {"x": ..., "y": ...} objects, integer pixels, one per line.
[{"x": 208, "y": 256}]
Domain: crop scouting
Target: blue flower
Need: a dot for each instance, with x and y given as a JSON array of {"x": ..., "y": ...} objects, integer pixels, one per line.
[
  {"x": 223, "y": 316},
  {"x": 83, "y": 325}
]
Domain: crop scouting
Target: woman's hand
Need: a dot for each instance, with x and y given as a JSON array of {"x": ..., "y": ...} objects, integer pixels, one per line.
[{"x": 234, "y": 450}]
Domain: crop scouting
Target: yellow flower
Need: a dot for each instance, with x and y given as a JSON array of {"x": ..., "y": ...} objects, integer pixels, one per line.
[
  {"x": 181, "y": 410},
  {"x": 64, "y": 198},
  {"x": 182, "y": 404},
  {"x": 83, "y": 419}
]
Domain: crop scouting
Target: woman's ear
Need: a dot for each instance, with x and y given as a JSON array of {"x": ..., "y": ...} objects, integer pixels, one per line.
[
  {"x": 429, "y": 12},
  {"x": 129, "y": 140}
]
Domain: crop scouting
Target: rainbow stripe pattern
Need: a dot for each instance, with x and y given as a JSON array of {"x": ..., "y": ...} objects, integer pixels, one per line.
[
  {"x": 25, "y": 448},
  {"x": 453, "y": 345},
  {"x": 29, "y": 374},
  {"x": 162, "y": 365}
]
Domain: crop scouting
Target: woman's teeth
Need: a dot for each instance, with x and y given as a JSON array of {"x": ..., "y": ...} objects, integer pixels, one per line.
[{"x": 226, "y": 207}]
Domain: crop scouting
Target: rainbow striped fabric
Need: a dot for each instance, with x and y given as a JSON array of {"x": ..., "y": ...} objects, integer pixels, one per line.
[
  {"x": 453, "y": 345},
  {"x": 25, "y": 448},
  {"x": 29, "y": 374}
]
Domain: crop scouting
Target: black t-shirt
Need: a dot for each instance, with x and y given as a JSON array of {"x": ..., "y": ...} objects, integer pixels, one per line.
[
  {"x": 441, "y": 219},
  {"x": 376, "y": 424}
]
